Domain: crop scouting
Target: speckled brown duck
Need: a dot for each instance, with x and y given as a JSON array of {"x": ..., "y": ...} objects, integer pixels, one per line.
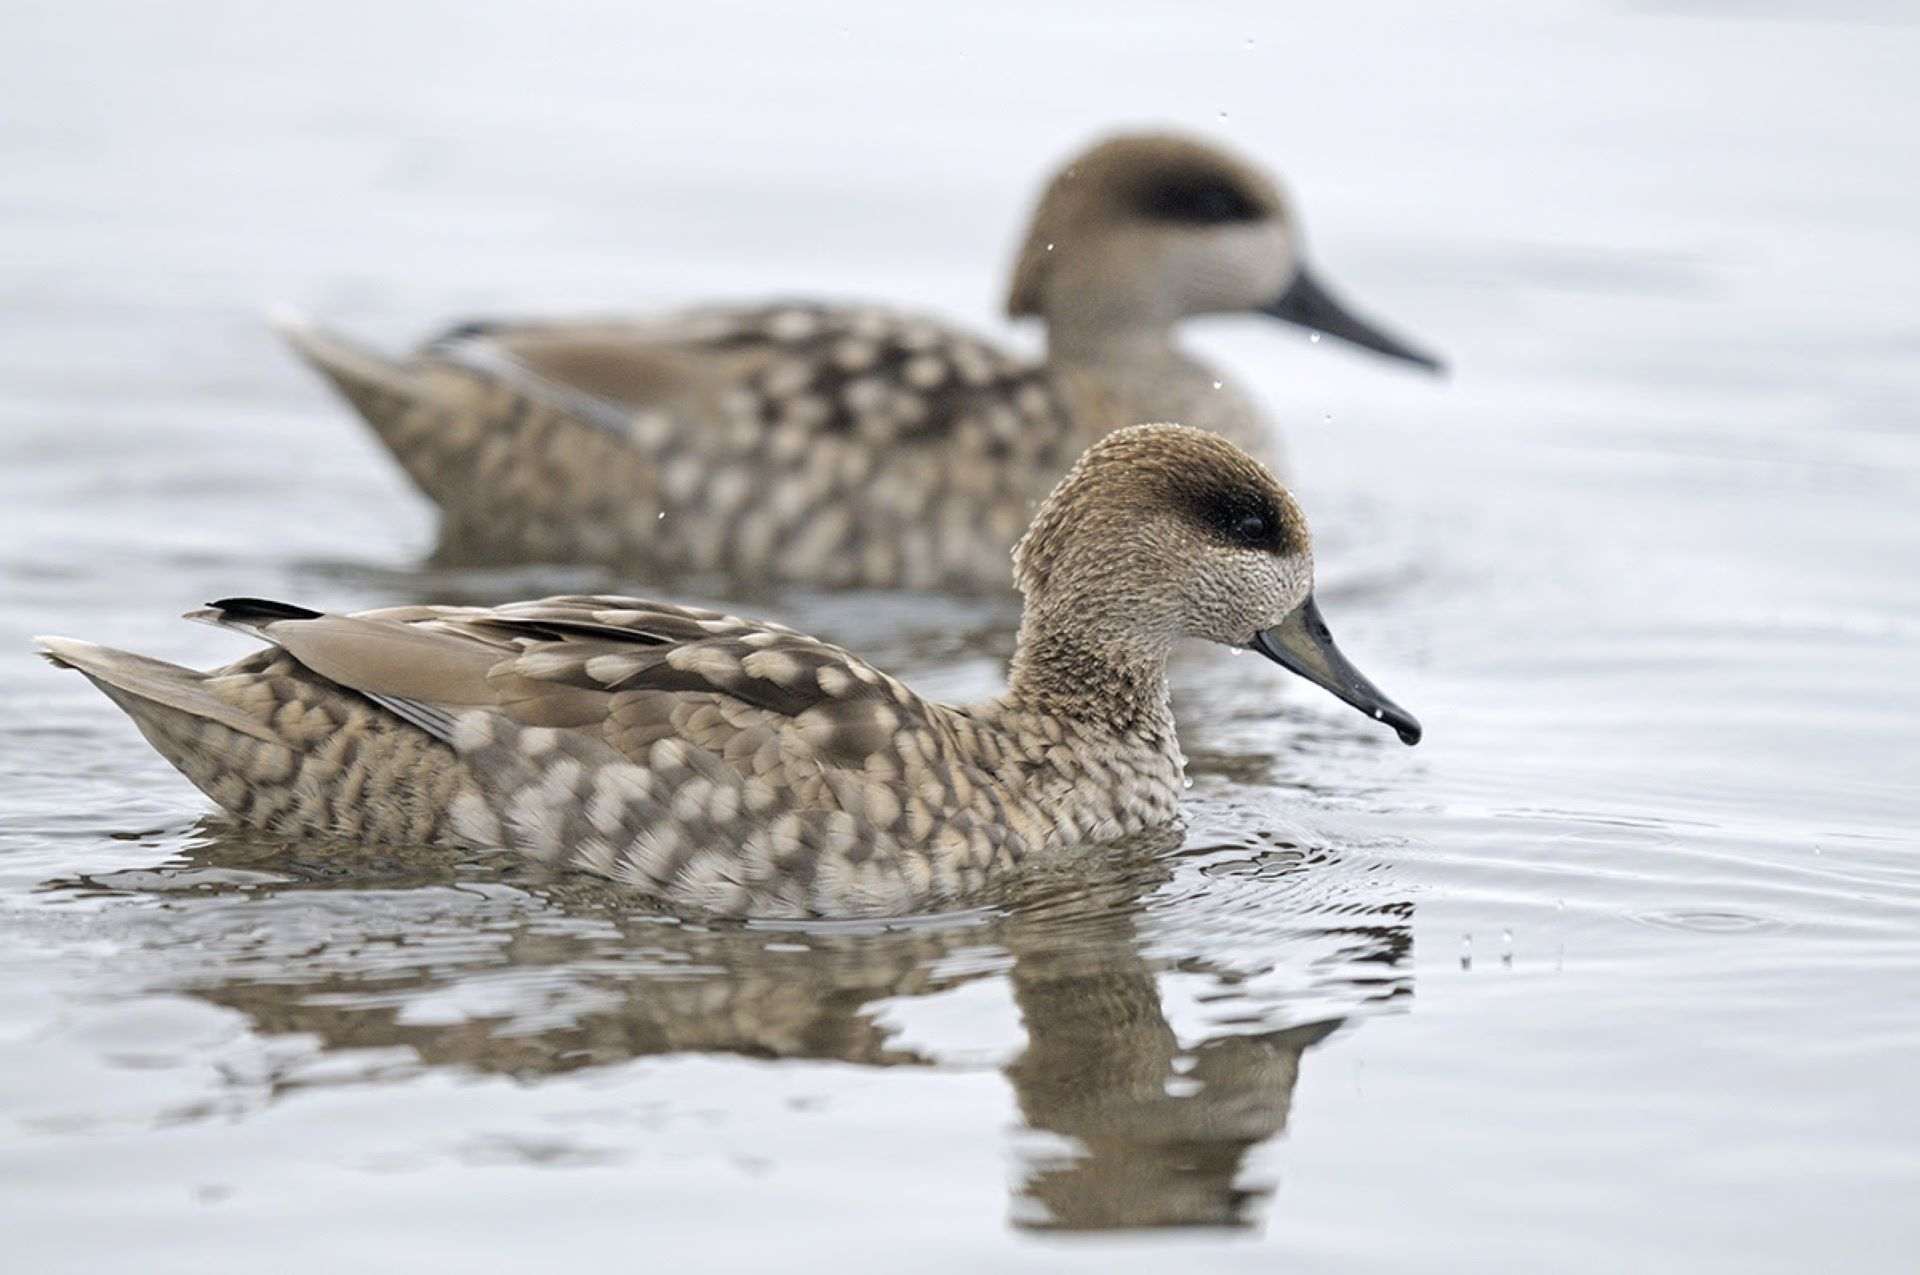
[
  {"x": 734, "y": 767},
  {"x": 846, "y": 445}
]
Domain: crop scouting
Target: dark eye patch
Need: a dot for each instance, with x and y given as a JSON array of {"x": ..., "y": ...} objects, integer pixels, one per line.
[
  {"x": 1243, "y": 518},
  {"x": 1200, "y": 198}
]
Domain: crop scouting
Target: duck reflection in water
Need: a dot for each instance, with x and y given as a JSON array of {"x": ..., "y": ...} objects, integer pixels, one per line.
[
  {"x": 572, "y": 976},
  {"x": 1160, "y": 1133}
]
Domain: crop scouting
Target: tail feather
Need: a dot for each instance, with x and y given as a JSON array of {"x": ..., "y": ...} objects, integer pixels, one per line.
[
  {"x": 419, "y": 416},
  {"x": 139, "y": 682},
  {"x": 283, "y": 749},
  {"x": 355, "y": 370},
  {"x": 521, "y": 465}
]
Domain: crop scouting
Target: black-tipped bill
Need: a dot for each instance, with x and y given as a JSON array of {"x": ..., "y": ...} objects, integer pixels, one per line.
[
  {"x": 1310, "y": 305},
  {"x": 1302, "y": 644}
]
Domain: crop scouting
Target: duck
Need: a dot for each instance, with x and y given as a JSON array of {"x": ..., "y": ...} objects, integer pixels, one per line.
[
  {"x": 729, "y": 767},
  {"x": 849, "y": 445}
]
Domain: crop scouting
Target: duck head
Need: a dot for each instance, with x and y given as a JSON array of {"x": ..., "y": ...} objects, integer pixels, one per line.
[
  {"x": 1145, "y": 229},
  {"x": 1161, "y": 532}
]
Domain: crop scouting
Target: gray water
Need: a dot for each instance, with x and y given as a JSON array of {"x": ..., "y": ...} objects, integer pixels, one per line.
[{"x": 1620, "y": 970}]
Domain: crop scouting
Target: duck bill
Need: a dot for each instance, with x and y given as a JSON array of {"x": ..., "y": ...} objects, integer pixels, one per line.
[
  {"x": 1302, "y": 644},
  {"x": 1310, "y": 305}
]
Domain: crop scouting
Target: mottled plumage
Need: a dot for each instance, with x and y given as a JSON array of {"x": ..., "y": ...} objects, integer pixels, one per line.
[
  {"x": 846, "y": 445},
  {"x": 736, "y": 767}
]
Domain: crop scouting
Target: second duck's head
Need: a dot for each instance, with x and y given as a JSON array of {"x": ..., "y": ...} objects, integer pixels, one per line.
[
  {"x": 1161, "y": 532},
  {"x": 1145, "y": 229}
]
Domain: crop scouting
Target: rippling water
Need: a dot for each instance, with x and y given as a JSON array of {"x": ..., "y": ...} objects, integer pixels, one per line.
[{"x": 1619, "y": 970}]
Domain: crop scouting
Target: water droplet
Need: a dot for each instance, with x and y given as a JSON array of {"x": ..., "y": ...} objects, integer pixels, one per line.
[
  {"x": 1313, "y": 338},
  {"x": 662, "y": 514},
  {"x": 1216, "y": 385},
  {"x": 1466, "y": 951},
  {"x": 1247, "y": 43},
  {"x": 1049, "y": 247},
  {"x": 1506, "y": 947},
  {"x": 1223, "y": 115},
  {"x": 1327, "y": 419}
]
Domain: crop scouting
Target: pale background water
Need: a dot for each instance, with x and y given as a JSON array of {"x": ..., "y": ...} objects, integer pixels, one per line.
[{"x": 1624, "y": 960}]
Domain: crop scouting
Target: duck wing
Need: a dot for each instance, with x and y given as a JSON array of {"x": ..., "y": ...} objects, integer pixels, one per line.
[
  {"x": 811, "y": 368},
  {"x": 570, "y": 662}
]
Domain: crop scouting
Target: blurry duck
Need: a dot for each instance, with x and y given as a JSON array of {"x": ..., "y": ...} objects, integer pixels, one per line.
[
  {"x": 733, "y": 767},
  {"x": 849, "y": 445}
]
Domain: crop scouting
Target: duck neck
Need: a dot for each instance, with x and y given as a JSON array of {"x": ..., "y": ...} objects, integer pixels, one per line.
[
  {"x": 1116, "y": 375},
  {"x": 1092, "y": 334},
  {"x": 1064, "y": 666}
]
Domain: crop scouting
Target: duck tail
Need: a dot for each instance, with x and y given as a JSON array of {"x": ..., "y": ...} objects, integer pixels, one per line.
[
  {"x": 510, "y": 457},
  {"x": 425, "y": 410},
  {"x": 280, "y": 748},
  {"x": 171, "y": 705}
]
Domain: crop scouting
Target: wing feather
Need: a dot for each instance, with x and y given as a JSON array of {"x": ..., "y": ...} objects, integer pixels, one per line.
[{"x": 626, "y": 667}]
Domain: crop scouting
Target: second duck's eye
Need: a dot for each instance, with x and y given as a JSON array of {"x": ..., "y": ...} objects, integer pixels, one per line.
[
  {"x": 1198, "y": 198},
  {"x": 1253, "y": 529}
]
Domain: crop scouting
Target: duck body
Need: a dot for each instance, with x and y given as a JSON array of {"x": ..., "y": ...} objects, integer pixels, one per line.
[
  {"x": 720, "y": 765},
  {"x": 737, "y": 768},
  {"x": 847, "y": 445},
  {"x": 826, "y": 445}
]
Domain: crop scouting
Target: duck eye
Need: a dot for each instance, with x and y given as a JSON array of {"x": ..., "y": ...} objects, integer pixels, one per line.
[
  {"x": 1253, "y": 529},
  {"x": 1197, "y": 198}
]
